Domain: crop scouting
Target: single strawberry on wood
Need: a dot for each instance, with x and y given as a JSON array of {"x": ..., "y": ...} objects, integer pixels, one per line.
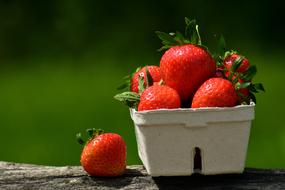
[{"x": 103, "y": 155}]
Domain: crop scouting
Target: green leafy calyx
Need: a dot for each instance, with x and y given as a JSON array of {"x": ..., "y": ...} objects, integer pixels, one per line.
[
  {"x": 92, "y": 133},
  {"x": 242, "y": 81},
  {"x": 191, "y": 36},
  {"x": 131, "y": 99}
]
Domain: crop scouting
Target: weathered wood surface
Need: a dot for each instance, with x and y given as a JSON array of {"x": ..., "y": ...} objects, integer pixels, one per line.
[{"x": 25, "y": 176}]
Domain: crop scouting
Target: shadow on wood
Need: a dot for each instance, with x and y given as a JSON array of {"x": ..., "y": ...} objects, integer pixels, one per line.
[{"x": 250, "y": 179}]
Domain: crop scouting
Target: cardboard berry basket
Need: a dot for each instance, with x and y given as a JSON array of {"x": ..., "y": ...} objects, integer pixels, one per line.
[{"x": 181, "y": 142}]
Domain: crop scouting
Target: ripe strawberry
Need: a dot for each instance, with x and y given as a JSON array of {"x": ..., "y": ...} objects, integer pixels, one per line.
[
  {"x": 159, "y": 97},
  {"x": 185, "y": 68},
  {"x": 104, "y": 154},
  {"x": 215, "y": 92},
  {"x": 230, "y": 59},
  {"x": 154, "y": 72},
  {"x": 186, "y": 65},
  {"x": 244, "y": 92},
  {"x": 239, "y": 71}
]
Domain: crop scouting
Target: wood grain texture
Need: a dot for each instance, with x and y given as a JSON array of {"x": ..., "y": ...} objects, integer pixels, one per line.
[{"x": 26, "y": 176}]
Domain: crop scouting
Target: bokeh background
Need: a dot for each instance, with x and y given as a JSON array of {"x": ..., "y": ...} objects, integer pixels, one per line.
[{"x": 61, "y": 61}]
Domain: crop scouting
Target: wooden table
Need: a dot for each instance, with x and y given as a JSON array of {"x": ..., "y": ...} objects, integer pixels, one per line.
[{"x": 25, "y": 176}]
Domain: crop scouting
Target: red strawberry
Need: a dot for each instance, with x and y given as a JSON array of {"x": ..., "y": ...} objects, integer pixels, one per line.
[
  {"x": 215, "y": 92},
  {"x": 185, "y": 68},
  {"x": 186, "y": 65},
  {"x": 159, "y": 97},
  {"x": 236, "y": 75},
  {"x": 104, "y": 155},
  {"x": 230, "y": 59},
  {"x": 154, "y": 72},
  {"x": 243, "y": 91}
]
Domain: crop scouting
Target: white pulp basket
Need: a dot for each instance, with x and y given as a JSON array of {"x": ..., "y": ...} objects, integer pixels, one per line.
[{"x": 185, "y": 141}]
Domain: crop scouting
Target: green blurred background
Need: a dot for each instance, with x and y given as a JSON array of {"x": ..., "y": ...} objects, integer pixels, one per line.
[{"x": 61, "y": 61}]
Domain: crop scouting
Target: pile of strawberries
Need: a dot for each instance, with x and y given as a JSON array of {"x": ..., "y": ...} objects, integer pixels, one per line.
[{"x": 189, "y": 76}]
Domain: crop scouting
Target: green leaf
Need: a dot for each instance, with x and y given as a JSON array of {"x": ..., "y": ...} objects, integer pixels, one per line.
[
  {"x": 236, "y": 64},
  {"x": 190, "y": 27},
  {"x": 259, "y": 86},
  {"x": 252, "y": 89},
  {"x": 79, "y": 139},
  {"x": 188, "y": 21},
  {"x": 199, "y": 42},
  {"x": 179, "y": 38},
  {"x": 249, "y": 73},
  {"x": 164, "y": 48},
  {"x": 166, "y": 38},
  {"x": 90, "y": 132},
  {"x": 229, "y": 53},
  {"x": 130, "y": 99},
  {"x": 141, "y": 86},
  {"x": 127, "y": 80},
  {"x": 252, "y": 97},
  {"x": 149, "y": 80},
  {"x": 127, "y": 95},
  {"x": 137, "y": 70},
  {"x": 192, "y": 34},
  {"x": 242, "y": 85},
  {"x": 124, "y": 85}
]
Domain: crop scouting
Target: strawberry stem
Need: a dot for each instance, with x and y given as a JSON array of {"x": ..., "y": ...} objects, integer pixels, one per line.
[
  {"x": 199, "y": 37},
  {"x": 92, "y": 132},
  {"x": 191, "y": 36}
]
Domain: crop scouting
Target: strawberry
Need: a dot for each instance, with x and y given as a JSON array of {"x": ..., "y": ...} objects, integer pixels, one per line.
[
  {"x": 132, "y": 99},
  {"x": 230, "y": 59},
  {"x": 187, "y": 64},
  {"x": 159, "y": 97},
  {"x": 103, "y": 154},
  {"x": 244, "y": 91},
  {"x": 154, "y": 72},
  {"x": 185, "y": 68},
  {"x": 215, "y": 92},
  {"x": 237, "y": 69}
]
